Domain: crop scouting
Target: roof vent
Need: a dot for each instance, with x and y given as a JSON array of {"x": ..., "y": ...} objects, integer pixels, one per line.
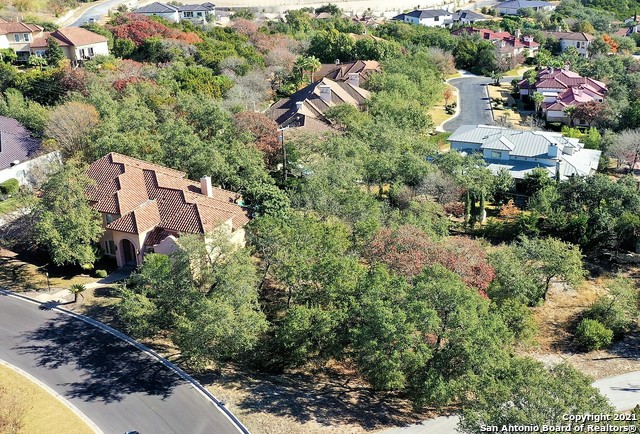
[{"x": 15, "y": 163}]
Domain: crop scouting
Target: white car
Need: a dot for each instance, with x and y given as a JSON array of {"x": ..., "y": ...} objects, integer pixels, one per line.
[{"x": 92, "y": 20}]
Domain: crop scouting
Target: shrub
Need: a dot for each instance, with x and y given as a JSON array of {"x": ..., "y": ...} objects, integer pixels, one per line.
[
  {"x": 617, "y": 311},
  {"x": 101, "y": 273},
  {"x": 593, "y": 335},
  {"x": 10, "y": 186}
]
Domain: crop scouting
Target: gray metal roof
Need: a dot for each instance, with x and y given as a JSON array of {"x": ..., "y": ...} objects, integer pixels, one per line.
[
  {"x": 156, "y": 8},
  {"x": 207, "y": 7},
  {"x": 468, "y": 15},
  {"x": 571, "y": 155},
  {"x": 519, "y": 4},
  {"x": 428, "y": 13}
]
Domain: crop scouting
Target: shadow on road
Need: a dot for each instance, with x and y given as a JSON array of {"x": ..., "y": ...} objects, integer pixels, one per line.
[{"x": 111, "y": 368}]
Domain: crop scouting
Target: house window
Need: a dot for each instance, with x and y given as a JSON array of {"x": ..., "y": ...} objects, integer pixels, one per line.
[
  {"x": 496, "y": 154},
  {"x": 436, "y": 18},
  {"x": 188, "y": 14},
  {"x": 91, "y": 51},
  {"x": 26, "y": 37},
  {"x": 16, "y": 37},
  {"x": 199, "y": 14},
  {"x": 40, "y": 53},
  {"x": 110, "y": 247},
  {"x": 82, "y": 53},
  {"x": 108, "y": 218}
]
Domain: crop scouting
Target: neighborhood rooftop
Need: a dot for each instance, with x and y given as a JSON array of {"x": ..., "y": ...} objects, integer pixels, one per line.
[
  {"x": 521, "y": 151},
  {"x": 144, "y": 196},
  {"x": 519, "y": 4},
  {"x": 16, "y": 143},
  {"x": 163, "y": 8}
]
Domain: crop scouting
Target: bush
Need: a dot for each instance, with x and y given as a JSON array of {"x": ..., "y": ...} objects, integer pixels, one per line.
[
  {"x": 619, "y": 310},
  {"x": 10, "y": 186},
  {"x": 593, "y": 335},
  {"x": 101, "y": 273}
]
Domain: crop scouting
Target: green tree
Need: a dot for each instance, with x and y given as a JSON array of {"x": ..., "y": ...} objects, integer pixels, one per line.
[
  {"x": 524, "y": 392},
  {"x": 536, "y": 180},
  {"x": 204, "y": 297},
  {"x": 67, "y": 226},
  {"x": 53, "y": 54},
  {"x": 550, "y": 258}
]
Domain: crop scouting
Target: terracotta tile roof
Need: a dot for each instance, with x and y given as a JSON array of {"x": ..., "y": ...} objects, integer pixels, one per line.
[
  {"x": 147, "y": 197},
  {"x": 69, "y": 37},
  {"x": 17, "y": 27},
  {"x": 564, "y": 79}
]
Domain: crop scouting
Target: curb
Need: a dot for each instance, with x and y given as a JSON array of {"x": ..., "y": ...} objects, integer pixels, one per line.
[
  {"x": 181, "y": 373},
  {"x": 55, "y": 394}
]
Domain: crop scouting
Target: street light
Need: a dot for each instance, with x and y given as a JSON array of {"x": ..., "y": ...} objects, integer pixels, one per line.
[{"x": 46, "y": 273}]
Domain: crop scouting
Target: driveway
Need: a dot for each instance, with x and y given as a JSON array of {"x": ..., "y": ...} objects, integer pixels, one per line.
[
  {"x": 623, "y": 391},
  {"x": 474, "y": 105},
  {"x": 116, "y": 385}
]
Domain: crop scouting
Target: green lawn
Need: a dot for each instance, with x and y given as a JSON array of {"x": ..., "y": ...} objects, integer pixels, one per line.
[{"x": 11, "y": 204}]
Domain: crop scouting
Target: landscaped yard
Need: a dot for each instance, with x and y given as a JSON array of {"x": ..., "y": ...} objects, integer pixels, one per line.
[
  {"x": 438, "y": 113},
  {"x": 507, "y": 113},
  {"x": 43, "y": 414}
]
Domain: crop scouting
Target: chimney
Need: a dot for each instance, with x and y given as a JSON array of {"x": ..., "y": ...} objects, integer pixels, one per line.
[
  {"x": 354, "y": 79},
  {"x": 205, "y": 186},
  {"x": 558, "y": 28},
  {"x": 299, "y": 105},
  {"x": 517, "y": 34},
  {"x": 553, "y": 150},
  {"x": 337, "y": 62},
  {"x": 325, "y": 93}
]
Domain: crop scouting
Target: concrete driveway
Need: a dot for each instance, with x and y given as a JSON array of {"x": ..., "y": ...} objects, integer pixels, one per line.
[
  {"x": 113, "y": 383},
  {"x": 473, "y": 105}
]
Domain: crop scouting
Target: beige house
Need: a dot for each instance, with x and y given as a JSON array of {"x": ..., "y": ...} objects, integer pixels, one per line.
[
  {"x": 18, "y": 37},
  {"x": 146, "y": 207},
  {"x": 77, "y": 43},
  {"x": 306, "y": 108}
]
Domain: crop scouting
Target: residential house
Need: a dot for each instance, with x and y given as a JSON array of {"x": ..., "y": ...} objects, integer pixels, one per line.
[
  {"x": 579, "y": 40},
  {"x": 26, "y": 39},
  {"x": 146, "y": 208},
  {"x": 520, "y": 152},
  {"x": 466, "y": 17},
  {"x": 427, "y": 17},
  {"x": 514, "y": 7},
  {"x": 306, "y": 108},
  {"x": 506, "y": 43},
  {"x": 77, "y": 43},
  {"x": 562, "y": 88},
  {"x": 197, "y": 13},
  {"x": 355, "y": 73},
  {"x": 18, "y": 37},
  {"x": 20, "y": 153}
]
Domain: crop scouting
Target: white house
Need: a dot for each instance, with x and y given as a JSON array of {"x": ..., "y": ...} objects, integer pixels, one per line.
[
  {"x": 200, "y": 14},
  {"x": 522, "y": 151},
  {"x": 427, "y": 17},
  {"x": 514, "y": 7}
]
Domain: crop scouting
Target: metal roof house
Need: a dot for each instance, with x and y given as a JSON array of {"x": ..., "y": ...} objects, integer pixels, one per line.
[
  {"x": 522, "y": 151},
  {"x": 514, "y": 7},
  {"x": 427, "y": 17},
  {"x": 200, "y": 13}
]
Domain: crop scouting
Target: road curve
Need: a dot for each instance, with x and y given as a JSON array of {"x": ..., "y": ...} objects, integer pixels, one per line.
[
  {"x": 96, "y": 12},
  {"x": 115, "y": 384},
  {"x": 474, "y": 105}
]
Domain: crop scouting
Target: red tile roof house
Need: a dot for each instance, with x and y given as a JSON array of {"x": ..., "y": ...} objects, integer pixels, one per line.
[
  {"x": 562, "y": 88},
  {"x": 506, "y": 43},
  {"x": 146, "y": 207}
]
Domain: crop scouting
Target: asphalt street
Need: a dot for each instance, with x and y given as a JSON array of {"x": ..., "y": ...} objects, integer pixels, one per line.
[
  {"x": 474, "y": 105},
  {"x": 117, "y": 386},
  {"x": 96, "y": 12}
]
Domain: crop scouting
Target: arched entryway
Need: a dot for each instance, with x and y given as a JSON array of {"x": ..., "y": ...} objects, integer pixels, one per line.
[{"x": 128, "y": 253}]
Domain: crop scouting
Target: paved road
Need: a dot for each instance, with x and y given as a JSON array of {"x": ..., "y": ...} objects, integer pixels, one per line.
[
  {"x": 474, "y": 103},
  {"x": 96, "y": 12},
  {"x": 114, "y": 384},
  {"x": 623, "y": 390}
]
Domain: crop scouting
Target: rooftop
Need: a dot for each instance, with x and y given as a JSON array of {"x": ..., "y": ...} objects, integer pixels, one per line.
[
  {"x": 143, "y": 196},
  {"x": 69, "y": 37},
  {"x": 341, "y": 71},
  {"x": 16, "y": 143},
  {"x": 519, "y": 4}
]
